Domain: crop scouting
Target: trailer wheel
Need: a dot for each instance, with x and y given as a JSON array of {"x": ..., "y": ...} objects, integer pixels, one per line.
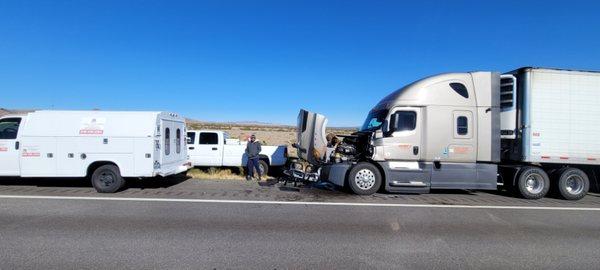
[
  {"x": 107, "y": 179},
  {"x": 533, "y": 183},
  {"x": 573, "y": 184},
  {"x": 364, "y": 179}
]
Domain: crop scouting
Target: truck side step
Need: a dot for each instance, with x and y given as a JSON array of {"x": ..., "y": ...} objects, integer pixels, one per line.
[{"x": 408, "y": 184}]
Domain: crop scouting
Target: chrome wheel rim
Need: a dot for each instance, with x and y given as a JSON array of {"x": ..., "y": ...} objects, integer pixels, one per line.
[
  {"x": 365, "y": 179},
  {"x": 574, "y": 184},
  {"x": 534, "y": 183}
]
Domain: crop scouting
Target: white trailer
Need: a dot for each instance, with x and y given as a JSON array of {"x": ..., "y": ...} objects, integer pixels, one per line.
[
  {"x": 104, "y": 146},
  {"x": 214, "y": 148}
]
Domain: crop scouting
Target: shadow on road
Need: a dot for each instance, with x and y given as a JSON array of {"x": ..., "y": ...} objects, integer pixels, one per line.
[{"x": 146, "y": 183}]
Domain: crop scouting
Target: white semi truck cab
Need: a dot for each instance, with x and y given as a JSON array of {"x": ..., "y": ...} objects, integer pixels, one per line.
[{"x": 530, "y": 129}]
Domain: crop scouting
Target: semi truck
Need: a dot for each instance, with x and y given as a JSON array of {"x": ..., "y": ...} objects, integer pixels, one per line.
[
  {"x": 531, "y": 130},
  {"x": 106, "y": 147},
  {"x": 214, "y": 148}
]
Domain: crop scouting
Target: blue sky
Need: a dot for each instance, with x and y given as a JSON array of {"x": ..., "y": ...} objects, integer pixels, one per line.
[{"x": 264, "y": 60}]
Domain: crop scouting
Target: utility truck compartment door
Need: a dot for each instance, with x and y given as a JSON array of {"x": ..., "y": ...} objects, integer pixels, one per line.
[{"x": 312, "y": 141}]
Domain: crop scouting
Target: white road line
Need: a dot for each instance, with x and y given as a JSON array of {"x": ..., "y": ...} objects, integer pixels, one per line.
[{"x": 301, "y": 203}]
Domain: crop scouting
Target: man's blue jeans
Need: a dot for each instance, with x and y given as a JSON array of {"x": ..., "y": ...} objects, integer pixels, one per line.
[{"x": 252, "y": 164}]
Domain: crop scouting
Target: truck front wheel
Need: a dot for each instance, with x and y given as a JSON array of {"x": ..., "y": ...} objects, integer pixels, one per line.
[
  {"x": 533, "y": 183},
  {"x": 573, "y": 184},
  {"x": 364, "y": 179},
  {"x": 107, "y": 179}
]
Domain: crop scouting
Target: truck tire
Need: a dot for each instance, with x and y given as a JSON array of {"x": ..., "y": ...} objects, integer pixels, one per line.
[
  {"x": 533, "y": 183},
  {"x": 364, "y": 179},
  {"x": 264, "y": 167},
  {"x": 573, "y": 184},
  {"x": 107, "y": 179}
]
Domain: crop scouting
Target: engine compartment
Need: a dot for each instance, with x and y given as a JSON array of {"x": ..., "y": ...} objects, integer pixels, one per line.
[{"x": 351, "y": 148}]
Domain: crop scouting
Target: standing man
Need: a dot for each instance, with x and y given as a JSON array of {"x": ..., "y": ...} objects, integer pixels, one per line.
[{"x": 253, "y": 148}]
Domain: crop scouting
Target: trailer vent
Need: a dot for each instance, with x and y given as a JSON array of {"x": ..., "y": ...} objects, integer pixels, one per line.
[
  {"x": 507, "y": 93},
  {"x": 508, "y": 106}
]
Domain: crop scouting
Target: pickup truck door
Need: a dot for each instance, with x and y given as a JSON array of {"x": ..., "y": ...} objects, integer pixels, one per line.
[
  {"x": 10, "y": 146},
  {"x": 209, "y": 149}
]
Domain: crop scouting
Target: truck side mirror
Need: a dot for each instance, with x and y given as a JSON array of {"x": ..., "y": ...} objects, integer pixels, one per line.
[
  {"x": 389, "y": 127},
  {"x": 385, "y": 126}
]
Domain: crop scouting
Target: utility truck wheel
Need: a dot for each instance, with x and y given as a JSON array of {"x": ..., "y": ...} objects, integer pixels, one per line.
[
  {"x": 573, "y": 184},
  {"x": 533, "y": 183},
  {"x": 264, "y": 167},
  {"x": 364, "y": 179},
  {"x": 107, "y": 179}
]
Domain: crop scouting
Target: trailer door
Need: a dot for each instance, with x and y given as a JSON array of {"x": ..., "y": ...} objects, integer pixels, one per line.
[{"x": 9, "y": 146}]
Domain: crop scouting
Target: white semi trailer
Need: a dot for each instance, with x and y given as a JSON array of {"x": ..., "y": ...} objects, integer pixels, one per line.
[
  {"x": 532, "y": 130},
  {"x": 104, "y": 146}
]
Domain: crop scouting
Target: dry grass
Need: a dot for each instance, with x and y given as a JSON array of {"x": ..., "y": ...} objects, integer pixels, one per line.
[{"x": 217, "y": 173}]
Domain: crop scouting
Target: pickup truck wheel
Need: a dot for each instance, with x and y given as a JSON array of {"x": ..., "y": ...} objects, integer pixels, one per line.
[
  {"x": 364, "y": 179},
  {"x": 107, "y": 179},
  {"x": 573, "y": 184},
  {"x": 533, "y": 183},
  {"x": 264, "y": 167}
]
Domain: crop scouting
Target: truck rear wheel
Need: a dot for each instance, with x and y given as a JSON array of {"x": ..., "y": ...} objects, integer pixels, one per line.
[
  {"x": 573, "y": 184},
  {"x": 364, "y": 179},
  {"x": 264, "y": 167},
  {"x": 107, "y": 179},
  {"x": 533, "y": 183}
]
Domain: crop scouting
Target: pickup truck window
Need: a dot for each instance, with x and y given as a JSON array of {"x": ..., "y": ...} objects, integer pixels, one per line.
[
  {"x": 9, "y": 127},
  {"x": 209, "y": 138},
  {"x": 167, "y": 141},
  {"x": 191, "y": 138}
]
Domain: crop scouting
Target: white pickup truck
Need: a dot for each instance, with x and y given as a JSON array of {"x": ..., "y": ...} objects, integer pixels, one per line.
[{"x": 213, "y": 148}]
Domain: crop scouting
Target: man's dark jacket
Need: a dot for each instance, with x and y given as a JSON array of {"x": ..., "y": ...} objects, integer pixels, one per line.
[{"x": 253, "y": 149}]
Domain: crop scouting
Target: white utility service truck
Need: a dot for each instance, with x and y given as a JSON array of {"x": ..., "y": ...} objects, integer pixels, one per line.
[
  {"x": 532, "y": 130},
  {"x": 104, "y": 146},
  {"x": 213, "y": 148}
]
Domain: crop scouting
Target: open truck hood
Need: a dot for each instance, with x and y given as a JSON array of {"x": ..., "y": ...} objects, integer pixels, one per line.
[{"x": 312, "y": 140}]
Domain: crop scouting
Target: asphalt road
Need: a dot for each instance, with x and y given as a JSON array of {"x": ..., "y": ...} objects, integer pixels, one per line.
[{"x": 69, "y": 228}]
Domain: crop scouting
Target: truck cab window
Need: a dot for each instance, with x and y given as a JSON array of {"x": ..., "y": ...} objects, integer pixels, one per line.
[
  {"x": 178, "y": 141},
  {"x": 167, "y": 141},
  {"x": 374, "y": 120},
  {"x": 191, "y": 137},
  {"x": 9, "y": 127},
  {"x": 209, "y": 138},
  {"x": 460, "y": 89},
  {"x": 404, "y": 121},
  {"x": 462, "y": 125}
]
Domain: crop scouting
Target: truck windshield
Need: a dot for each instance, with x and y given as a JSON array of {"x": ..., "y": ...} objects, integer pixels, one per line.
[{"x": 374, "y": 120}]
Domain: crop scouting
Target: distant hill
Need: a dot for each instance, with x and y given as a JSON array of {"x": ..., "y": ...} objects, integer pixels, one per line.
[
  {"x": 4, "y": 111},
  {"x": 242, "y": 125}
]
